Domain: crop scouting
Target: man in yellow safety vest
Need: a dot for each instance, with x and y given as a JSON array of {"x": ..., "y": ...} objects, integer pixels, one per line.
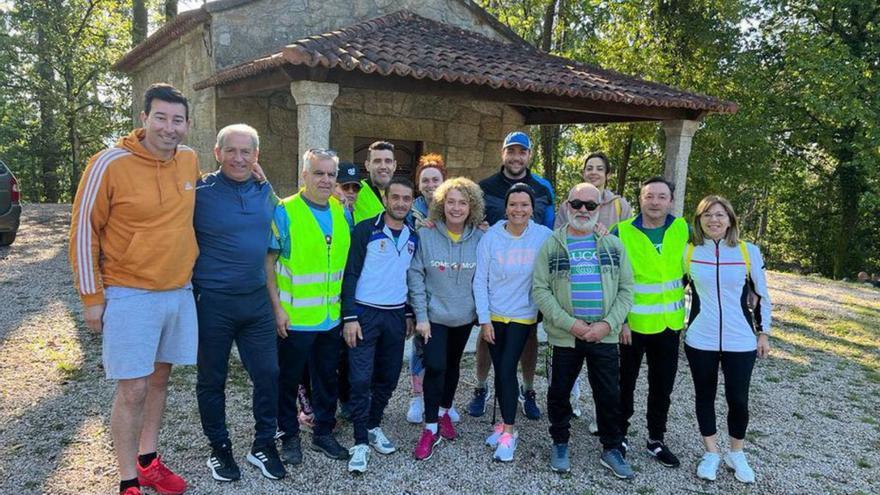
[
  {"x": 308, "y": 253},
  {"x": 380, "y": 165},
  {"x": 655, "y": 242}
]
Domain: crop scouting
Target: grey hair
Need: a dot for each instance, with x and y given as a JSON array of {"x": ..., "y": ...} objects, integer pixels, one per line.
[
  {"x": 238, "y": 129},
  {"x": 313, "y": 155},
  {"x": 584, "y": 185}
]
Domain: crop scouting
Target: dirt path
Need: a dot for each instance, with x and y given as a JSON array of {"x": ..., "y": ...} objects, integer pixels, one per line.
[{"x": 814, "y": 426}]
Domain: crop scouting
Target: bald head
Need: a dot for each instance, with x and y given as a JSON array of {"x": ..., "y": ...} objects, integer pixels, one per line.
[{"x": 584, "y": 192}]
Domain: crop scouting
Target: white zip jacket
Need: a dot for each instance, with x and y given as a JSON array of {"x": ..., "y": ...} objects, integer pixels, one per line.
[{"x": 720, "y": 319}]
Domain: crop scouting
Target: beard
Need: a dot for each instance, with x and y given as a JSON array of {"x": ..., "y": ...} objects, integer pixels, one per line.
[{"x": 585, "y": 226}]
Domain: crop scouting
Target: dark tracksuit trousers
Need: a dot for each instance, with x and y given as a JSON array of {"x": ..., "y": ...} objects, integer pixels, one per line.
[
  {"x": 442, "y": 360},
  {"x": 319, "y": 350},
  {"x": 510, "y": 340},
  {"x": 661, "y": 350},
  {"x": 602, "y": 373},
  {"x": 737, "y": 368},
  {"x": 374, "y": 366},
  {"x": 249, "y": 322}
]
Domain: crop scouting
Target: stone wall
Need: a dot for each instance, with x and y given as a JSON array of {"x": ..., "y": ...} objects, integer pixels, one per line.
[
  {"x": 467, "y": 133},
  {"x": 264, "y": 26},
  {"x": 182, "y": 63}
]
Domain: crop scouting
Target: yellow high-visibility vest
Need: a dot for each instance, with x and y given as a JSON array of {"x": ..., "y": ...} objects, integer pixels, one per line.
[
  {"x": 658, "y": 294},
  {"x": 310, "y": 280},
  {"x": 368, "y": 205}
]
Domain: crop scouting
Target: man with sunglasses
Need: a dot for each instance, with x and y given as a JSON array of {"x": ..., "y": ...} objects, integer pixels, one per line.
[
  {"x": 583, "y": 285},
  {"x": 309, "y": 250},
  {"x": 655, "y": 242},
  {"x": 348, "y": 186}
]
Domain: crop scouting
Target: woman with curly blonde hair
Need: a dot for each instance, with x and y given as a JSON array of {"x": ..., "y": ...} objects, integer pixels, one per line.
[{"x": 440, "y": 281}]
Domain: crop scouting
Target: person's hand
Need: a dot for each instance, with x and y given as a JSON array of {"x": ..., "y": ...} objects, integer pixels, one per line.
[
  {"x": 484, "y": 226},
  {"x": 282, "y": 321},
  {"x": 487, "y": 332},
  {"x": 625, "y": 335},
  {"x": 352, "y": 333},
  {"x": 763, "y": 345},
  {"x": 94, "y": 316},
  {"x": 257, "y": 172},
  {"x": 410, "y": 327},
  {"x": 600, "y": 229},
  {"x": 424, "y": 329},
  {"x": 598, "y": 331},
  {"x": 579, "y": 329}
]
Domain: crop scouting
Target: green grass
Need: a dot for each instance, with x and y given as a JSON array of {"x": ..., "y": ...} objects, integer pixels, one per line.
[{"x": 862, "y": 463}]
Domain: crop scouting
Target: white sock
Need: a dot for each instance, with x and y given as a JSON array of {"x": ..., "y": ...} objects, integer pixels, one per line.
[{"x": 432, "y": 427}]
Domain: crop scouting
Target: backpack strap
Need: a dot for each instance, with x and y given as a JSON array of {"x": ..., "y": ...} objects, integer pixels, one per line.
[
  {"x": 687, "y": 259},
  {"x": 745, "y": 254},
  {"x": 617, "y": 207}
]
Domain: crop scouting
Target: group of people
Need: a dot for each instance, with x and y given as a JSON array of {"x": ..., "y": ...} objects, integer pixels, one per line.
[{"x": 319, "y": 291}]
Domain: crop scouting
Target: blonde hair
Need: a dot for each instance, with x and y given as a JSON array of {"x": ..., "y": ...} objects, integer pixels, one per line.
[
  {"x": 469, "y": 189},
  {"x": 731, "y": 238}
]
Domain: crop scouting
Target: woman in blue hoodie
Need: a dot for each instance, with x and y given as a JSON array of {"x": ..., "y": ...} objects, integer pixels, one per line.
[
  {"x": 440, "y": 281},
  {"x": 505, "y": 308}
]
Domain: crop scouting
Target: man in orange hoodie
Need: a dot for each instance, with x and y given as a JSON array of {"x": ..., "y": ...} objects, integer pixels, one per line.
[{"x": 132, "y": 249}]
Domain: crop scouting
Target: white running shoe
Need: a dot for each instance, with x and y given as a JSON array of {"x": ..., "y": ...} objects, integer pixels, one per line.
[
  {"x": 380, "y": 442},
  {"x": 506, "y": 447},
  {"x": 736, "y": 461},
  {"x": 707, "y": 469},
  {"x": 453, "y": 415},
  {"x": 416, "y": 412},
  {"x": 492, "y": 440},
  {"x": 360, "y": 454}
]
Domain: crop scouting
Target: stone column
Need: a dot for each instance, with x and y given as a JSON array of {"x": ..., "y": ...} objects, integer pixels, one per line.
[
  {"x": 679, "y": 136},
  {"x": 314, "y": 101}
]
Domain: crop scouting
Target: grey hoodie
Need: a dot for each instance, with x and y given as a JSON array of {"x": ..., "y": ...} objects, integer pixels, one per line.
[{"x": 441, "y": 275}]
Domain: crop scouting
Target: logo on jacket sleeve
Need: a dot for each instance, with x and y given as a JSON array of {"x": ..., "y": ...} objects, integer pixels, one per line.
[{"x": 187, "y": 186}]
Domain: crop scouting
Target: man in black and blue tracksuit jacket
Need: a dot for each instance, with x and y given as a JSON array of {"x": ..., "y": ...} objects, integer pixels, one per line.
[
  {"x": 232, "y": 219},
  {"x": 374, "y": 294}
]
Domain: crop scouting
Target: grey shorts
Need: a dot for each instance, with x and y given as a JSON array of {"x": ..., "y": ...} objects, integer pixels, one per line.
[{"x": 144, "y": 327}]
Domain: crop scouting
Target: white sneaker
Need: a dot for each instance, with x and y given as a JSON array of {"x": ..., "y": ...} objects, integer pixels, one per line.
[
  {"x": 360, "y": 454},
  {"x": 416, "y": 412},
  {"x": 737, "y": 462},
  {"x": 575, "y": 398},
  {"x": 380, "y": 442},
  {"x": 506, "y": 447},
  {"x": 707, "y": 469},
  {"x": 453, "y": 415},
  {"x": 497, "y": 430},
  {"x": 594, "y": 427}
]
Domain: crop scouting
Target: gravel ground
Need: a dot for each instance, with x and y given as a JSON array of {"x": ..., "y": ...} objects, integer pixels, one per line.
[{"x": 814, "y": 426}]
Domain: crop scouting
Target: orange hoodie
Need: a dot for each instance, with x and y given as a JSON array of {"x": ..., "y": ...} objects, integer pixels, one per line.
[{"x": 132, "y": 221}]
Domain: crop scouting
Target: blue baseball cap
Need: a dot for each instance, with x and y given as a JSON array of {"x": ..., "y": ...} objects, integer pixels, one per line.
[{"x": 518, "y": 138}]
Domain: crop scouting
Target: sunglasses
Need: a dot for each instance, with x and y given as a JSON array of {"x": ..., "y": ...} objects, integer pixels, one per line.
[
  {"x": 577, "y": 204},
  {"x": 350, "y": 186}
]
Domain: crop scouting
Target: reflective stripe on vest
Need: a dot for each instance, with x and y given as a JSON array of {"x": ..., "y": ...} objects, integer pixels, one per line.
[
  {"x": 658, "y": 292},
  {"x": 310, "y": 281},
  {"x": 368, "y": 205}
]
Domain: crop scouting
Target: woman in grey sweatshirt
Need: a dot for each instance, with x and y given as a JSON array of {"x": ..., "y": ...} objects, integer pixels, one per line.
[
  {"x": 440, "y": 281},
  {"x": 505, "y": 309}
]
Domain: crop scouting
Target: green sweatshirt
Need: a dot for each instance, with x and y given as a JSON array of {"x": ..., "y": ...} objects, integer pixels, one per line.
[{"x": 551, "y": 287}]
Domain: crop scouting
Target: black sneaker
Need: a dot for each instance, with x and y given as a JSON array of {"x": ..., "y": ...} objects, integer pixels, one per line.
[
  {"x": 222, "y": 463},
  {"x": 327, "y": 445},
  {"x": 266, "y": 459},
  {"x": 663, "y": 455},
  {"x": 291, "y": 452}
]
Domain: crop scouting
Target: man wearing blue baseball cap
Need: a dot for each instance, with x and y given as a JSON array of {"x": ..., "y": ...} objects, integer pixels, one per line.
[{"x": 516, "y": 153}]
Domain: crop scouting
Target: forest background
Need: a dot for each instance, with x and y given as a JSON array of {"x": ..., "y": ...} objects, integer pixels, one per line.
[{"x": 799, "y": 160}]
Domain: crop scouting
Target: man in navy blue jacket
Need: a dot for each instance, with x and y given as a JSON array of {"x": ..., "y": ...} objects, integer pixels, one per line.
[
  {"x": 377, "y": 321},
  {"x": 233, "y": 214}
]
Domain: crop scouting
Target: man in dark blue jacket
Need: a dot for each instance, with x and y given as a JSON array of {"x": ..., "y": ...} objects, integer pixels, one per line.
[{"x": 233, "y": 215}]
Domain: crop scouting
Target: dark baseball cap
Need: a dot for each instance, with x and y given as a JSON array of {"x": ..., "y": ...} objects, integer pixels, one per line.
[{"x": 348, "y": 172}]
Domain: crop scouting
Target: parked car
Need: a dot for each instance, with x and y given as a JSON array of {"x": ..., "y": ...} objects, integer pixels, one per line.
[{"x": 10, "y": 205}]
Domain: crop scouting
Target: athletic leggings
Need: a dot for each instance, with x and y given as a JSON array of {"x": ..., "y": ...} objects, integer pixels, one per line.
[
  {"x": 442, "y": 359},
  {"x": 510, "y": 339},
  {"x": 737, "y": 368}
]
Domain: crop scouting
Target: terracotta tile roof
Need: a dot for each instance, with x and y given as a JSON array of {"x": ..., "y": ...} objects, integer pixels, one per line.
[
  {"x": 180, "y": 25},
  {"x": 405, "y": 44}
]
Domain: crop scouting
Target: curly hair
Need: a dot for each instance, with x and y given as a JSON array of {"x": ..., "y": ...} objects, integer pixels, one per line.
[
  {"x": 469, "y": 189},
  {"x": 431, "y": 160}
]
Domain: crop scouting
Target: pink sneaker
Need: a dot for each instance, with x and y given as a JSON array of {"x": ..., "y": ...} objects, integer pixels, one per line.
[
  {"x": 425, "y": 449},
  {"x": 492, "y": 440},
  {"x": 447, "y": 431}
]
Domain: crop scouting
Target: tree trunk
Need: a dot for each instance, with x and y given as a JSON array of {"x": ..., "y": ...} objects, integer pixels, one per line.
[
  {"x": 139, "y": 21},
  {"x": 846, "y": 259},
  {"x": 624, "y": 164},
  {"x": 549, "y": 133},
  {"x": 170, "y": 10},
  {"x": 46, "y": 146}
]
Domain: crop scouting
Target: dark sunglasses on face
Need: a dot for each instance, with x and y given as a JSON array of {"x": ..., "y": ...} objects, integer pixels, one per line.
[
  {"x": 351, "y": 186},
  {"x": 577, "y": 204}
]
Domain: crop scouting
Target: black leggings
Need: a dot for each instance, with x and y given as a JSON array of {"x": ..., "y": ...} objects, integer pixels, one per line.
[
  {"x": 737, "y": 368},
  {"x": 442, "y": 358},
  {"x": 510, "y": 339}
]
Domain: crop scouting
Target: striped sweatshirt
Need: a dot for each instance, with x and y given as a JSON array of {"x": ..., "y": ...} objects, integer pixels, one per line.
[{"x": 132, "y": 220}]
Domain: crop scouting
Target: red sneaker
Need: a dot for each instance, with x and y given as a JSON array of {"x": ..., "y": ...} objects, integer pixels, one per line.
[
  {"x": 160, "y": 478},
  {"x": 425, "y": 449},
  {"x": 447, "y": 431},
  {"x": 132, "y": 490}
]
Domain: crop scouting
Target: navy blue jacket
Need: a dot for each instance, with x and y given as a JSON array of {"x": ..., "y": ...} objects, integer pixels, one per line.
[{"x": 232, "y": 223}]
